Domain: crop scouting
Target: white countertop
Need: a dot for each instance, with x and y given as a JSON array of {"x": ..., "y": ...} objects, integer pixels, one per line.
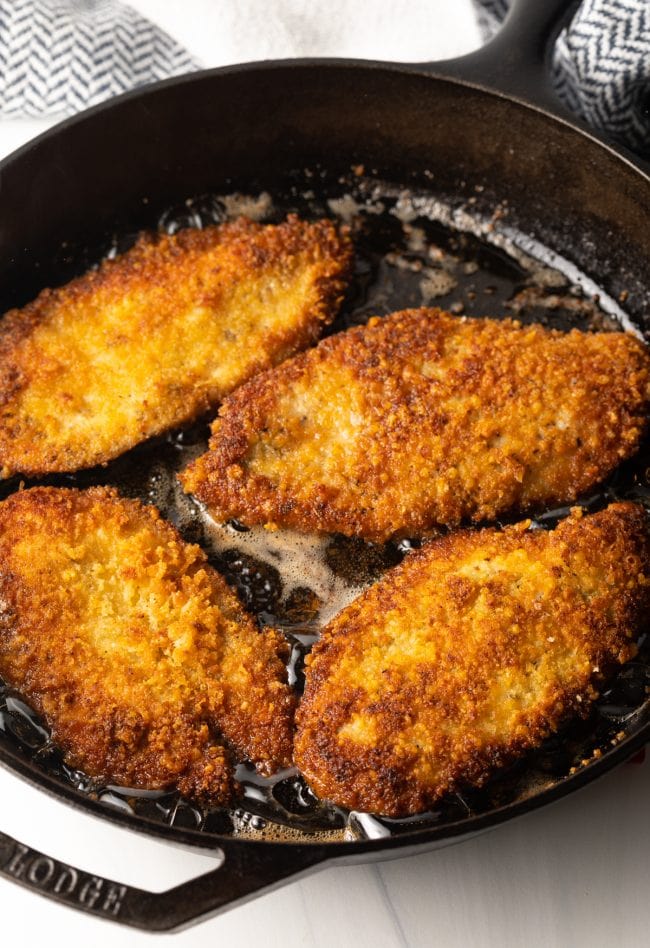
[{"x": 574, "y": 874}]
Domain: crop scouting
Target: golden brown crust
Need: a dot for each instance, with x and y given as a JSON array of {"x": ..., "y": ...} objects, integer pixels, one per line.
[
  {"x": 133, "y": 648},
  {"x": 423, "y": 418},
  {"x": 157, "y": 336},
  {"x": 470, "y": 652}
]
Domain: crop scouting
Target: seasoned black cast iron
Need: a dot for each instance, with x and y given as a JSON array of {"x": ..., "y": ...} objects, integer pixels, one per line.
[{"x": 486, "y": 126}]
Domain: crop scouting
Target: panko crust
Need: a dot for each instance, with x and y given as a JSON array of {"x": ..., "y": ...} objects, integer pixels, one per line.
[
  {"x": 423, "y": 418},
  {"x": 134, "y": 650},
  {"x": 158, "y": 336},
  {"x": 467, "y": 654}
]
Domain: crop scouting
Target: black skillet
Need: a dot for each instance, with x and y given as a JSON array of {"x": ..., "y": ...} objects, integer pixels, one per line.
[{"x": 486, "y": 126}]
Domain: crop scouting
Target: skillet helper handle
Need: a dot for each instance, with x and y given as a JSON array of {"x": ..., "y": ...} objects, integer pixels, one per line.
[{"x": 243, "y": 869}]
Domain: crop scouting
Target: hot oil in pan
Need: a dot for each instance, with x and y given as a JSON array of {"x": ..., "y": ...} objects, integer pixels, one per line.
[{"x": 412, "y": 250}]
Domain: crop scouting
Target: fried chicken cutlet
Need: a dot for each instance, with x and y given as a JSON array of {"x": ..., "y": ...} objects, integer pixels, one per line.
[
  {"x": 134, "y": 650},
  {"x": 156, "y": 337},
  {"x": 467, "y": 654},
  {"x": 423, "y": 418}
]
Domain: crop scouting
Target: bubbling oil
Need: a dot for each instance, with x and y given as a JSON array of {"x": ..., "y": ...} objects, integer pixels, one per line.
[{"x": 412, "y": 249}]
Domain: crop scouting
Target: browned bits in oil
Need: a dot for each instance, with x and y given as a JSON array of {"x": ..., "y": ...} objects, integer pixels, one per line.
[{"x": 266, "y": 806}]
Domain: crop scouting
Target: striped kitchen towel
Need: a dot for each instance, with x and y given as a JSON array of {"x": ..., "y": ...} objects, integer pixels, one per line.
[
  {"x": 61, "y": 56},
  {"x": 600, "y": 64}
]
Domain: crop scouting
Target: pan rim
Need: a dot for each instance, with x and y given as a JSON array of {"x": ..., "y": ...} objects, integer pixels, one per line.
[
  {"x": 421, "y": 838},
  {"x": 435, "y": 71}
]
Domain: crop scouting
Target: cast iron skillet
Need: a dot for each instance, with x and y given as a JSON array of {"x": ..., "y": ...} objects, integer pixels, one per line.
[{"x": 488, "y": 125}]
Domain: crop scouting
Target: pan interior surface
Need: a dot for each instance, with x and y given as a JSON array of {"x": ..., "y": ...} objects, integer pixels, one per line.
[{"x": 462, "y": 252}]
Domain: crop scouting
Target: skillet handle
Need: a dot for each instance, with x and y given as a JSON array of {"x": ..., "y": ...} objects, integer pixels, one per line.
[
  {"x": 514, "y": 60},
  {"x": 243, "y": 869},
  {"x": 515, "y": 63}
]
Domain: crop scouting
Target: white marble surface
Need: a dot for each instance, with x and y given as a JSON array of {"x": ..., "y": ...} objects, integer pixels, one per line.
[{"x": 574, "y": 874}]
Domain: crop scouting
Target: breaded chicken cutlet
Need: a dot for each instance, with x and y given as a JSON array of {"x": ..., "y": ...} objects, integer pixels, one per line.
[
  {"x": 467, "y": 654},
  {"x": 156, "y": 337},
  {"x": 423, "y": 418},
  {"x": 134, "y": 650}
]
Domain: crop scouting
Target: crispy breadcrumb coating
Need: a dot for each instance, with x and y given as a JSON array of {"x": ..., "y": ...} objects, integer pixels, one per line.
[
  {"x": 134, "y": 650},
  {"x": 423, "y": 418},
  {"x": 467, "y": 654},
  {"x": 157, "y": 336}
]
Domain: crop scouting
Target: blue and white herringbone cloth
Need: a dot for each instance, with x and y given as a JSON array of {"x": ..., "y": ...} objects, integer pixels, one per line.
[
  {"x": 601, "y": 64},
  {"x": 61, "y": 56}
]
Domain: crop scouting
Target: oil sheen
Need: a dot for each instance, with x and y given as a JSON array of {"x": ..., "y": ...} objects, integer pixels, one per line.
[{"x": 413, "y": 249}]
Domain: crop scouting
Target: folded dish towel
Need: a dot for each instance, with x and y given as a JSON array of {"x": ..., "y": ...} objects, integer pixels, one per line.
[
  {"x": 60, "y": 56},
  {"x": 600, "y": 63}
]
